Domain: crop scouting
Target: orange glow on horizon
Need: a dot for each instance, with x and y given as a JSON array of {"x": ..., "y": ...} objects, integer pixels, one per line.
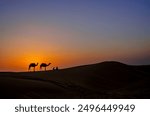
[{"x": 20, "y": 61}]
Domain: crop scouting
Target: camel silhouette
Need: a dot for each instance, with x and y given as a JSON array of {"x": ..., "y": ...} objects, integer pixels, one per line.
[
  {"x": 44, "y": 65},
  {"x": 32, "y": 65}
]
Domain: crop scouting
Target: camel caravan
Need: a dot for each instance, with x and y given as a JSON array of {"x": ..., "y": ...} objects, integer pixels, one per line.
[{"x": 42, "y": 65}]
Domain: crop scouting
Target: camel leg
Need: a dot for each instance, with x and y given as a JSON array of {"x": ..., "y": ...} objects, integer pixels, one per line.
[{"x": 29, "y": 68}]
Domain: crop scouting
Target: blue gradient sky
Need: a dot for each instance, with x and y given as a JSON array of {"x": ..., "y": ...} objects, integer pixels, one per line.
[{"x": 73, "y": 32}]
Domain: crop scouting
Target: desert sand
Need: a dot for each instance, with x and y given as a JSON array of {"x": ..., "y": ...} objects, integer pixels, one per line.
[{"x": 106, "y": 80}]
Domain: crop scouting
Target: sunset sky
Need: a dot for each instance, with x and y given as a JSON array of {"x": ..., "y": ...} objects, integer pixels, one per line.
[{"x": 73, "y": 32}]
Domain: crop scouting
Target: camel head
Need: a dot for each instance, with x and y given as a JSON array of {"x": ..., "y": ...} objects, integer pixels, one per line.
[{"x": 37, "y": 64}]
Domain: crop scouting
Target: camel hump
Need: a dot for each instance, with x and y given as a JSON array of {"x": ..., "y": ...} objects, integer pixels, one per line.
[
  {"x": 32, "y": 63},
  {"x": 42, "y": 64}
]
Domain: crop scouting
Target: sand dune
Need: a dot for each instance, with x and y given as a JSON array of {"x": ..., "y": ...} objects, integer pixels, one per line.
[{"x": 102, "y": 80}]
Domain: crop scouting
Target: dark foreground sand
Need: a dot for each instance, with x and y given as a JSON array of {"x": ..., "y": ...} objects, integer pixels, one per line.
[{"x": 102, "y": 80}]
